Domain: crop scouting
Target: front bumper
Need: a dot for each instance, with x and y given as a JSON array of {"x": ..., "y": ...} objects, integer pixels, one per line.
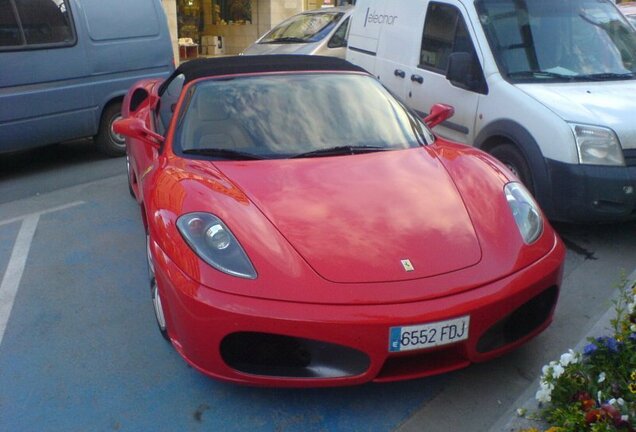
[
  {"x": 586, "y": 193},
  {"x": 218, "y": 333}
]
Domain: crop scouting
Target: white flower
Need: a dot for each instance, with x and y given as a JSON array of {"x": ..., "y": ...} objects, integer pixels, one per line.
[
  {"x": 599, "y": 397},
  {"x": 568, "y": 358},
  {"x": 545, "y": 370},
  {"x": 543, "y": 396},
  {"x": 557, "y": 371},
  {"x": 601, "y": 378},
  {"x": 632, "y": 328},
  {"x": 546, "y": 386},
  {"x": 619, "y": 401},
  {"x": 625, "y": 418}
]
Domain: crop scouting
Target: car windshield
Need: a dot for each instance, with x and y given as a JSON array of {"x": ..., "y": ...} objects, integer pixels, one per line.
[
  {"x": 303, "y": 28},
  {"x": 295, "y": 115},
  {"x": 564, "y": 40}
]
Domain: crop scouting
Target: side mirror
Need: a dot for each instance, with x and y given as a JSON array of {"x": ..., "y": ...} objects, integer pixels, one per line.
[
  {"x": 132, "y": 127},
  {"x": 464, "y": 72},
  {"x": 439, "y": 114}
]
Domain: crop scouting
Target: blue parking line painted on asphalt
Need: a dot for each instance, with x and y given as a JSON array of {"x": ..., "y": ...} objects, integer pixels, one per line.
[{"x": 81, "y": 350}]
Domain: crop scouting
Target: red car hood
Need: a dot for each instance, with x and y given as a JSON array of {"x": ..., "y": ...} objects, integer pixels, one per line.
[{"x": 355, "y": 218}]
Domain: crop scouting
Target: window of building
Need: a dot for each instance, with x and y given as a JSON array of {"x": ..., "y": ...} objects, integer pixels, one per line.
[{"x": 231, "y": 11}]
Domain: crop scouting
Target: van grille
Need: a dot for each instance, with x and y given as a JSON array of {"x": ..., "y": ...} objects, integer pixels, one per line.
[{"x": 630, "y": 157}]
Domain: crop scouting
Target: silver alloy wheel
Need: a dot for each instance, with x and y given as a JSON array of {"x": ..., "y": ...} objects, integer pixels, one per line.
[
  {"x": 151, "y": 265},
  {"x": 156, "y": 302},
  {"x": 118, "y": 139}
]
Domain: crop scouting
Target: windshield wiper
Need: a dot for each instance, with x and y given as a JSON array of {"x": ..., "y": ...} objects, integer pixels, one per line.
[
  {"x": 224, "y": 153},
  {"x": 541, "y": 74},
  {"x": 339, "y": 150},
  {"x": 607, "y": 76},
  {"x": 287, "y": 40}
]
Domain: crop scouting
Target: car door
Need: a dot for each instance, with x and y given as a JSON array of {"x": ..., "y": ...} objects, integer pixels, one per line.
[{"x": 445, "y": 32}]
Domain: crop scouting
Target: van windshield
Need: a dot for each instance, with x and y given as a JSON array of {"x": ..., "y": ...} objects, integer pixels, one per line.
[
  {"x": 564, "y": 40},
  {"x": 303, "y": 28}
]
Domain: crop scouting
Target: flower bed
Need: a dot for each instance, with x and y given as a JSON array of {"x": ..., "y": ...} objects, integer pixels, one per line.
[{"x": 595, "y": 390}]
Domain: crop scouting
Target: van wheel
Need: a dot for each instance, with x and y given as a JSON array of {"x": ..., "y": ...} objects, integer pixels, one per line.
[
  {"x": 108, "y": 142},
  {"x": 511, "y": 157}
]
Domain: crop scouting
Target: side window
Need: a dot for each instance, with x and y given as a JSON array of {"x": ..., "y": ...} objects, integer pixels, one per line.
[
  {"x": 41, "y": 22},
  {"x": 445, "y": 32},
  {"x": 10, "y": 34},
  {"x": 167, "y": 103},
  {"x": 339, "y": 38}
]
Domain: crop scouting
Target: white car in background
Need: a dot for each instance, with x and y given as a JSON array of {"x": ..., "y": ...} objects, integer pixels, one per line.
[{"x": 317, "y": 32}]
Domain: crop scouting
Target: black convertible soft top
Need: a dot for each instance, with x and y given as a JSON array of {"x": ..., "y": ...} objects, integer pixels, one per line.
[{"x": 211, "y": 67}]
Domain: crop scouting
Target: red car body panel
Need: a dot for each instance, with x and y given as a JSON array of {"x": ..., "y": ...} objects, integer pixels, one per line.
[
  {"x": 200, "y": 317},
  {"x": 326, "y": 236},
  {"x": 381, "y": 207}
]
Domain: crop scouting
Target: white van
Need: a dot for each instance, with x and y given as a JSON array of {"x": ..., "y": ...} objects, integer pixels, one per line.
[{"x": 548, "y": 87}]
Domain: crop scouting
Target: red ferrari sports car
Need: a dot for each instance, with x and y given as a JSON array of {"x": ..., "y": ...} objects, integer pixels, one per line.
[{"x": 305, "y": 228}]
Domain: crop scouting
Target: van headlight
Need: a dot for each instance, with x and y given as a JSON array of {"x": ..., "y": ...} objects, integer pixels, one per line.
[
  {"x": 597, "y": 145},
  {"x": 215, "y": 244},
  {"x": 525, "y": 211}
]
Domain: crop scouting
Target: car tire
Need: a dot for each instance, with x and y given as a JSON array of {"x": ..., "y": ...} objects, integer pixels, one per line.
[
  {"x": 157, "y": 305},
  {"x": 511, "y": 157},
  {"x": 107, "y": 141}
]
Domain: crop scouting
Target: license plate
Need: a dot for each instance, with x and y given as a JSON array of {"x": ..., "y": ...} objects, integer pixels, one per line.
[{"x": 428, "y": 335}]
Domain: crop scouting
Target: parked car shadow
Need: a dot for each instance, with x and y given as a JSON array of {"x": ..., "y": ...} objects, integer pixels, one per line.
[{"x": 31, "y": 172}]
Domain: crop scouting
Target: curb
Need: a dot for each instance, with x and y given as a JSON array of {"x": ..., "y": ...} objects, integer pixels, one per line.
[{"x": 511, "y": 421}]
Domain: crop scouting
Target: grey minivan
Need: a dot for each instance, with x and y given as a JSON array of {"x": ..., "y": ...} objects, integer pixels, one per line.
[
  {"x": 316, "y": 32},
  {"x": 65, "y": 66}
]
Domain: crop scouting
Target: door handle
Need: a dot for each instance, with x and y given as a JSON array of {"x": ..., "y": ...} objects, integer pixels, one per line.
[
  {"x": 417, "y": 78},
  {"x": 399, "y": 73}
]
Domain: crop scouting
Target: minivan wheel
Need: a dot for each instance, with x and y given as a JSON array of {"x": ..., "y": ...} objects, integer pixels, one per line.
[
  {"x": 512, "y": 158},
  {"x": 109, "y": 142}
]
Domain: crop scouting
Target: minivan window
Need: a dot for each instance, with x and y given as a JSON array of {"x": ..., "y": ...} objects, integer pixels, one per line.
[
  {"x": 10, "y": 34},
  {"x": 565, "y": 40},
  {"x": 41, "y": 22},
  {"x": 445, "y": 32},
  {"x": 339, "y": 38}
]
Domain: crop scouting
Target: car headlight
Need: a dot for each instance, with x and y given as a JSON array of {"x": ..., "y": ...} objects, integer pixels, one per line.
[
  {"x": 525, "y": 211},
  {"x": 215, "y": 244},
  {"x": 597, "y": 145}
]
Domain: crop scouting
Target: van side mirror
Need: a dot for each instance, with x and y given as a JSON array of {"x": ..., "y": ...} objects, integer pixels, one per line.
[
  {"x": 439, "y": 114},
  {"x": 464, "y": 72},
  {"x": 135, "y": 128}
]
